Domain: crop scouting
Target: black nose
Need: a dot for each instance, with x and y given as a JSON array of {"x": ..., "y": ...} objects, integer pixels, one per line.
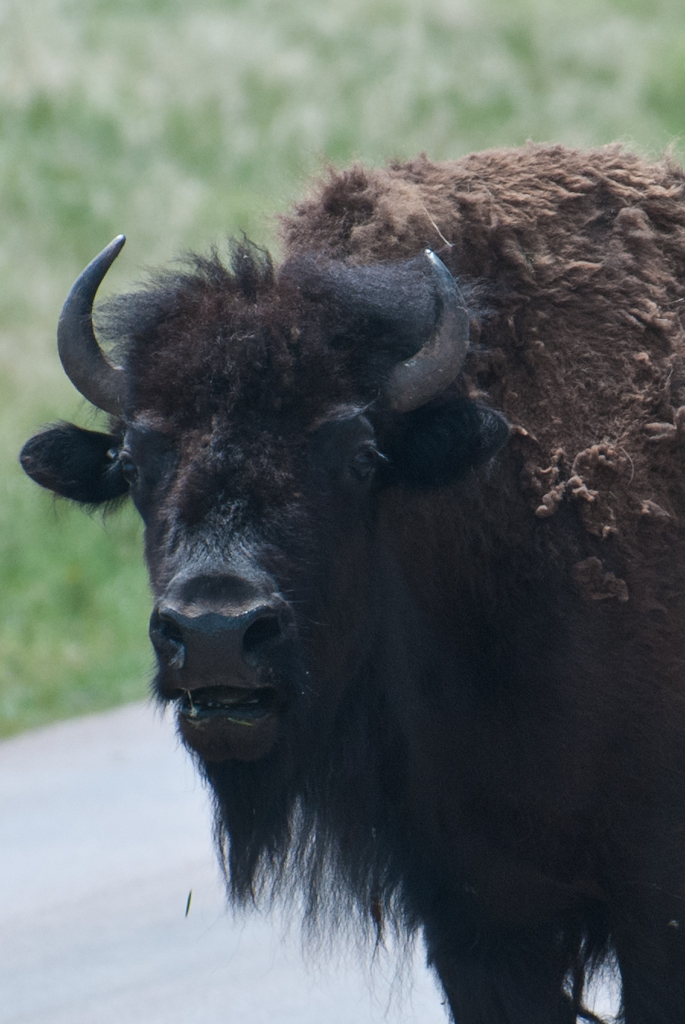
[{"x": 204, "y": 647}]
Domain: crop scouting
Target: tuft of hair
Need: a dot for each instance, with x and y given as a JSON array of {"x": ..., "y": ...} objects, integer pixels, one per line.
[{"x": 248, "y": 275}]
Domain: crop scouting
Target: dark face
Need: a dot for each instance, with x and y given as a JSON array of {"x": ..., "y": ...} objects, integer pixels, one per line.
[
  {"x": 243, "y": 575},
  {"x": 255, "y": 439}
]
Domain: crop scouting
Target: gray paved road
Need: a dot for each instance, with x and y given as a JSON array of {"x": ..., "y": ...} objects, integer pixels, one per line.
[{"x": 104, "y": 829}]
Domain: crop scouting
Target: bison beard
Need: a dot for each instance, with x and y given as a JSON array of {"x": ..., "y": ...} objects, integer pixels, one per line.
[{"x": 421, "y": 609}]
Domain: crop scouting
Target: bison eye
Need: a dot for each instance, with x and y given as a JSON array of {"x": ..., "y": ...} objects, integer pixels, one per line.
[
  {"x": 364, "y": 461},
  {"x": 129, "y": 470}
]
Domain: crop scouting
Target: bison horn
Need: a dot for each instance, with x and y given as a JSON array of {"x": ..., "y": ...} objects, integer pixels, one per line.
[
  {"x": 434, "y": 367},
  {"x": 84, "y": 362}
]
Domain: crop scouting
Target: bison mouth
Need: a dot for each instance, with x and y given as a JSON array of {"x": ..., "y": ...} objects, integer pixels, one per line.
[
  {"x": 229, "y": 722},
  {"x": 237, "y": 703}
]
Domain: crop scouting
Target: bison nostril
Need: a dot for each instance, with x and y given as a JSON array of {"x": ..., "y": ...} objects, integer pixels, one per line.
[
  {"x": 169, "y": 631},
  {"x": 260, "y": 633},
  {"x": 167, "y": 639}
]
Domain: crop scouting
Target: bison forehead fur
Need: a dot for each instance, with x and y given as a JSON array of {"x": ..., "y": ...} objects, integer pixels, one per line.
[{"x": 460, "y": 628}]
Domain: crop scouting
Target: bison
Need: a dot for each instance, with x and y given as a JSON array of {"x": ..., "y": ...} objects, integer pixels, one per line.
[{"x": 414, "y": 508}]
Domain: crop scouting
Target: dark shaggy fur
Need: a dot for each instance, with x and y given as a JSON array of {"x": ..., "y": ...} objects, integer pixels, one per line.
[{"x": 485, "y": 737}]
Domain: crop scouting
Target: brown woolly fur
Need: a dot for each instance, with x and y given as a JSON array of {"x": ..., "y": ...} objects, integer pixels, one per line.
[
  {"x": 582, "y": 258},
  {"x": 431, "y": 661}
]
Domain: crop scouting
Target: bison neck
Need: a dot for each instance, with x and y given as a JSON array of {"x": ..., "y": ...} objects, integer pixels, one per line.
[{"x": 495, "y": 700}]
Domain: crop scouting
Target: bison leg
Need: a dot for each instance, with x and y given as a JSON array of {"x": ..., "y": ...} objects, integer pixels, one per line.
[{"x": 512, "y": 977}]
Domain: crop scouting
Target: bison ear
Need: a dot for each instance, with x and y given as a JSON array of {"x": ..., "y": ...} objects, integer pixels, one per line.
[
  {"x": 437, "y": 444},
  {"x": 75, "y": 463}
]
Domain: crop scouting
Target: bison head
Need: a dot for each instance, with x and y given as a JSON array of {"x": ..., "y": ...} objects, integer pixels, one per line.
[{"x": 256, "y": 422}]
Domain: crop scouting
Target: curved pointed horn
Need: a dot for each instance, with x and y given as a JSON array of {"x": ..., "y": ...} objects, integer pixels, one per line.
[
  {"x": 84, "y": 362},
  {"x": 434, "y": 367}
]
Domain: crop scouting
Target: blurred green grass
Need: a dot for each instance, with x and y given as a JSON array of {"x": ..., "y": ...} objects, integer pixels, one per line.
[{"x": 180, "y": 123}]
